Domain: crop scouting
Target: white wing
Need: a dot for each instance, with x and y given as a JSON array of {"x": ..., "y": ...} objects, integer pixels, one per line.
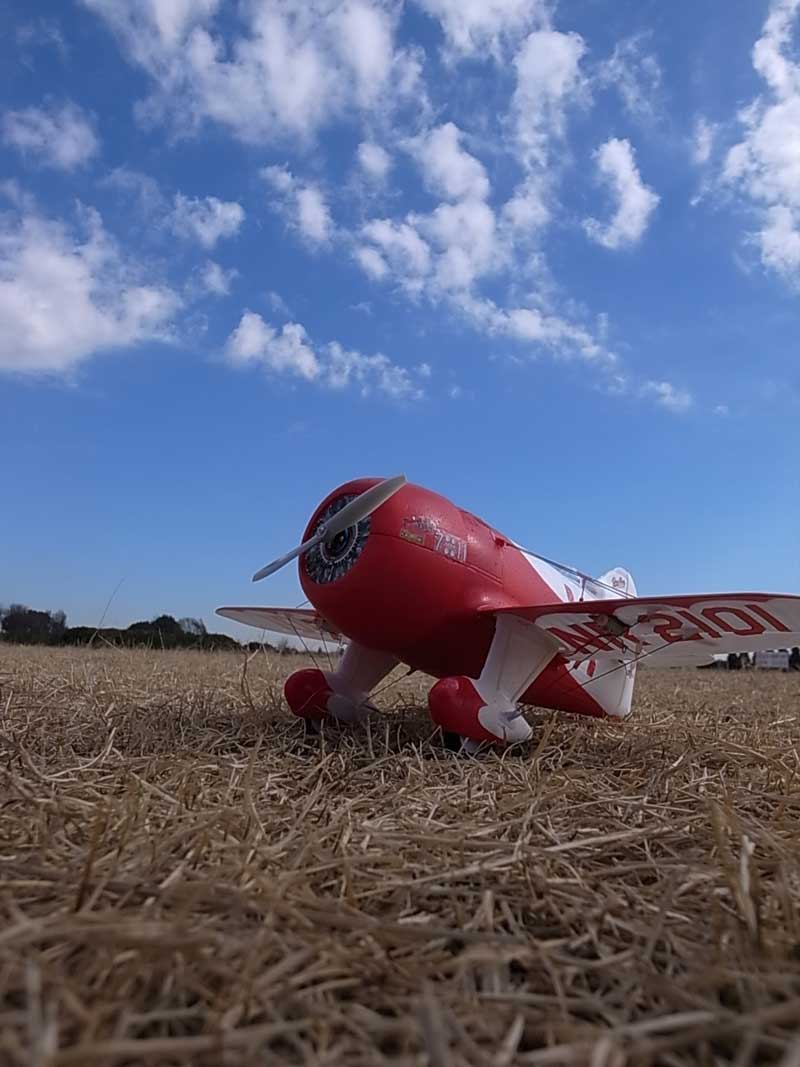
[
  {"x": 295, "y": 622},
  {"x": 671, "y": 630}
]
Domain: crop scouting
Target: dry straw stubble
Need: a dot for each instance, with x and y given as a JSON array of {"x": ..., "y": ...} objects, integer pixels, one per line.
[{"x": 185, "y": 878}]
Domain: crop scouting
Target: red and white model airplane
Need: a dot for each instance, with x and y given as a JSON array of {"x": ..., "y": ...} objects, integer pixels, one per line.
[{"x": 405, "y": 576}]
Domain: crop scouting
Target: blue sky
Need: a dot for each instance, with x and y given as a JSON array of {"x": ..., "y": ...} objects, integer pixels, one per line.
[{"x": 541, "y": 257}]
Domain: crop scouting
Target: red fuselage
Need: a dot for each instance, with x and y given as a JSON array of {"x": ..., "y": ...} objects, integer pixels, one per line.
[{"x": 422, "y": 585}]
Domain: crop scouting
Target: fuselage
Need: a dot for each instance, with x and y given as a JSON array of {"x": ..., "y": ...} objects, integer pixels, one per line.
[{"x": 420, "y": 579}]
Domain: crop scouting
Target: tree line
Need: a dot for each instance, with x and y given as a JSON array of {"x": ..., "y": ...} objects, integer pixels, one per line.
[{"x": 22, "y": 625}]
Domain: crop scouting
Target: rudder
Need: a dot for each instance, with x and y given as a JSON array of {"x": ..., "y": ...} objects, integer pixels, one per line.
[{"x": 620, "y": 581}]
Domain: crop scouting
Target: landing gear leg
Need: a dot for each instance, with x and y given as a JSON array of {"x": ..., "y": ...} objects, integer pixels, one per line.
[
  {"x": 343, "y": 694},
  {"x": 485, "y": 710}
]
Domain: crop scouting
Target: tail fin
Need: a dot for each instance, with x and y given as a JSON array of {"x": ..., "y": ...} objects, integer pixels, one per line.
[{"x": 620, "y": 580}]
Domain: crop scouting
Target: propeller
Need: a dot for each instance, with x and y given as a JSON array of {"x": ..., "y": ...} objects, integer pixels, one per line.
[{"x": 350, "y": 515}]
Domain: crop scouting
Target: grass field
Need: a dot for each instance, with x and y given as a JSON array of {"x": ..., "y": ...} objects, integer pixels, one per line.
[{"x": 184, "y": 878}]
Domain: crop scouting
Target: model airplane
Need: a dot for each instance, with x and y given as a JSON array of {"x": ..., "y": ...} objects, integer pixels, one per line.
[{"x": 404, "y": 576}]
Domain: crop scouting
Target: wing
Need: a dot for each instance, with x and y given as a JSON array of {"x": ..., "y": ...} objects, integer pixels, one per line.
[
  {"x": 295, "y": 622},
  {"x": 671, "y": 630}
]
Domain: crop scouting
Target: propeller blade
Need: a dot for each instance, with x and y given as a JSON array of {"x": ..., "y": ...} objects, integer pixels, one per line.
[
  {"x": 283, "y": 560},
  {"x": 363, "y": 505},
  {"x": 350, "y": 515}
]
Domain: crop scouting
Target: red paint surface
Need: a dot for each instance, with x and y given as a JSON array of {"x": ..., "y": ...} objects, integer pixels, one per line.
[
  {"x": 454, "y": 704},
  {"x": 307, "y": 693}
]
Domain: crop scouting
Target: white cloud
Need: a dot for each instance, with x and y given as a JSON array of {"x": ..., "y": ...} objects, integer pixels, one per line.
[
  {"x": 473, "y": 25},
  {"x": 445, "y": 251},
  {"x": 290, "y": 351},
  {"x": 19, "y": 197},
  {"x": 371, "y": 262},
  {"x": 374, "y": 160},
  {"x": 397, "y": 246},
  {"x": 529, "y": 324},
  {"x": 780, "y": 239},
  {"x": 722, "y": 410},
  {"x": 464, "y": 247},
  {"x": 635, "y": 74},
  {"x": 765, "y": 164},
  {"x": 377, "y": 372},
  {"x": 65, "y": 297},
  {"x": 313, "y": 216},
  {"x": 668, "y": 396},
  {"x": 285, "y": 352},
  {"x": 60, "y": 137},
  {"x": 465, "y": 236},
  {"x": 548, "y": 79},
  {"x": 636, "y": 203},
  {"x": 447, "y": 168},
  {"x": 206, "y": 220},
  {"x": 292, "y": 68},
  {"x": 769, "y": 57},
  {"x": 278, "y": 304},
  {"x": 216, "y": 280},
  {"x": 366, "y": 33},
  {"x": 42, "y": 32},
  {"x": 139, "y": 187},
  {"x": 280, "y": 178},
  {"x": 527, "y": 210},
  {"x": 564, "y": 339},
  {"x": 150, "y": 29},
  {"x": 172, "y": 18},
  {"x": 446, "y": 254},
  {"x": 703, "y": 141},
  {"x": 304, "y": 204}
]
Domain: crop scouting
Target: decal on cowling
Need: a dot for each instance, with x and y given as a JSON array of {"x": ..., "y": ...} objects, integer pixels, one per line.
[
  {"x": 451, "y": 546},
  {"x": 425, "y": 531},
  {"x": 413, "y": 537},
  {"x": 424, "y": 523}
]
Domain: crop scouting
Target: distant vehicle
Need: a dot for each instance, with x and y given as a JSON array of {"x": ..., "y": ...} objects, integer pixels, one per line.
[{"x": 408, "y": 577}]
